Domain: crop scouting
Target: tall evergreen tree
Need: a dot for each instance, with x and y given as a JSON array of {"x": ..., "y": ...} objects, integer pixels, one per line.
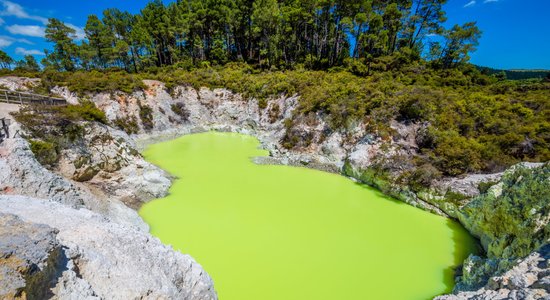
[
  {"x": 28, "y": 63},
  {"x": 65, "y": 51}
]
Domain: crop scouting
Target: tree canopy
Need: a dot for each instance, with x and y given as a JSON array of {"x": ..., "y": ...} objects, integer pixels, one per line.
[{"x": 267, "y": 33}]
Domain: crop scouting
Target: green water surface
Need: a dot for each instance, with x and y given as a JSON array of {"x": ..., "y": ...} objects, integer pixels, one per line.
[{"x": 285, "y": 233}]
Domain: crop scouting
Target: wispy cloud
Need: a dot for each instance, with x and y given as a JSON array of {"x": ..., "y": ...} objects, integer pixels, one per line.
[
  {"x": 23, "y": 51},
  {"x": 28, "y": 30},
  {"x": 11, "y": 9},
  {"x": 471, "y": 3},
  {"x": 6, "y": 41},
  {"x": 79, "y": 31},
  {"x": 489, "y": 1},
  {"x": 15, "y": 10}
]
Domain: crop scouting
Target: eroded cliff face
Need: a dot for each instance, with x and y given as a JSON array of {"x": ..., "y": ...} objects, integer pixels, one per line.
[
  {"x": 157, "y": 114},
  {"x": 358, "y": 151}
]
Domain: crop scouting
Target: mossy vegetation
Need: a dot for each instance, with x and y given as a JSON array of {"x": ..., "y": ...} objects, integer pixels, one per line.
[
  {"x": 146, "y": 116},
  {"x": 127, "y": 124},
  {"x": 512, "y": 214},
  {"x": 83, "y": 82},
  {"x": 51, "y": 129},
  {"x": 180, "y": 110},
  {"x": 45, "y": 152}
]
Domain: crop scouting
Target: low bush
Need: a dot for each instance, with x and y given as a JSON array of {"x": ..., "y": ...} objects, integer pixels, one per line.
[
  {"x": 45, "y": 152},
  {"x": 50, "y": 129},
  {"x": 82, "y": 82},
  {"x": 514, "y": 219},
  {"x": 146, "y": 116},
  {"x": 129, "y": 124},
  {"x": 473, "y": 122},
  {"x": 180, "y": 110}
]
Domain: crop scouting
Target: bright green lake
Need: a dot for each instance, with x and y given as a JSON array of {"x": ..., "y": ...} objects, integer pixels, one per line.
[{"x": 285, "y": 233}]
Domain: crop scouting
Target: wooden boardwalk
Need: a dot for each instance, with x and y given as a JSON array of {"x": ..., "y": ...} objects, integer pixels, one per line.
[{"x": 21, "y": 98}]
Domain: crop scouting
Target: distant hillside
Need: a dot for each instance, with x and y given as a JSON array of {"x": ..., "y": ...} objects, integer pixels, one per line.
[{"x": 516, "y": 74}]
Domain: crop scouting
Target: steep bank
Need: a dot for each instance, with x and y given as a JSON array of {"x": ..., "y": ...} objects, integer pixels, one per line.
[
  {"x": 359, "y": 152},
  {"x": 77, "y": 254}
]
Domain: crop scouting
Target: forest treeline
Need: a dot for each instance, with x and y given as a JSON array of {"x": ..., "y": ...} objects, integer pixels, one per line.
[
  {"x": 515, "y": 74},
  {"x": 267, "y": 33}
]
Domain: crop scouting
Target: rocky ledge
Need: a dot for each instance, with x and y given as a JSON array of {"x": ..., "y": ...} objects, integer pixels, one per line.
[
  {"x": 528, "y": 279},
  {"x": 49, "y": 250}
]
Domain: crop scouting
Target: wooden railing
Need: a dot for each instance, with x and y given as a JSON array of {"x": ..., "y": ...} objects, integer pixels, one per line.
[{"x": 21, "y": 98}]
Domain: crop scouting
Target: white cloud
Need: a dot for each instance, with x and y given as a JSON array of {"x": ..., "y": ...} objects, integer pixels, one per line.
[
  {"x": 23, "y": 51},
  {"x": 489, "y": 1},
  {"x": 12, "y": 9},
  {"x": 40, "y": 31},
  {"x": 471, "y": 3},
  {"x": 6, "y": 41},
  {"x": 28, "y": 30},
  {"x": 80, "y": 34},
  {"x": 16, "y": 10}
]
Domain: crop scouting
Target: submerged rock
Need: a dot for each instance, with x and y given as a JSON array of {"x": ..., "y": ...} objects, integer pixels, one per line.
[{"x": 102, "y": 259}]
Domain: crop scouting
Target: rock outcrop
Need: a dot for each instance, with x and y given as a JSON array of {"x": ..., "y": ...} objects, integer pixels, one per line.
[
  {"x": 14, "y": 83},
  {"x": 79, "y": 254},
  {"x": 512, "y": 221},
  {"x": 527, "y": 279},
  {"x": 106, "y": 158},
  {"x": 30, "y": 258},
  {"x": 22, "y": 174}
]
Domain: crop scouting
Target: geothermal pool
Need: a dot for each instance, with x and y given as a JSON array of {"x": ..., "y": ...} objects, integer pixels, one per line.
[{"x": 286, "y": 233}]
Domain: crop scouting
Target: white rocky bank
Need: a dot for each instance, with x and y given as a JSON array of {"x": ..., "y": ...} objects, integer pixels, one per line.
[{"x": 95, "y": 258}]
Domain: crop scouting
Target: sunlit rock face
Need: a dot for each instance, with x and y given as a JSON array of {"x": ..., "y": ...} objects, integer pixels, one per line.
[{"x": 80, "y": 254}]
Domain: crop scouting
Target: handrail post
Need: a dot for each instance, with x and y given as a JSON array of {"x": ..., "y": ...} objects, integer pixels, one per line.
[
  {"x": 7, "y": 98},
  {"x": 20, "y": 99}
]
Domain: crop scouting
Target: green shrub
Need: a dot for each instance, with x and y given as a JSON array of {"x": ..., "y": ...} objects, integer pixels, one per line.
[
  {"x": 45, "y": 152},
  {"x": 180, "y": 110},
  {"x": 422, "y": 176},
  {"x": 54, "y": 128},
  {"x": 514, "y": 219},
  {"x": 474, "y": 123},
  {"x": 82, "y": 82},
  {"x": 86, "y": 111},
  {"x": 129, "y": 124},
  {"x": 146, "y": 116}
]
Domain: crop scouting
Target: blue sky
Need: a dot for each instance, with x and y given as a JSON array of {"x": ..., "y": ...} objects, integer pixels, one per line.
[{"x": 516, "y": 33}]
